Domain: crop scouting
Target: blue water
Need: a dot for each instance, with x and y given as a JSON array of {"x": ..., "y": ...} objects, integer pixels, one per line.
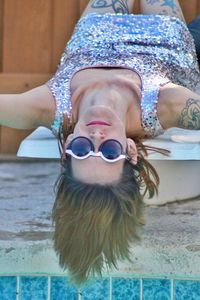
[{"x": 58, "y": 288}]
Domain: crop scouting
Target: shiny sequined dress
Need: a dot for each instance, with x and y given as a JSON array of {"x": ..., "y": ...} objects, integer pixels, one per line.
[{"x": 159, "y": 48}]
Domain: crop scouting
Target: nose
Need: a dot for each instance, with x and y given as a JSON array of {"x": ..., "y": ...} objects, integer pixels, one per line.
[{"x": 97, "y": 134}]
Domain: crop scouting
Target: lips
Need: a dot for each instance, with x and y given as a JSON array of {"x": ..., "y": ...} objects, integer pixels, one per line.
[{"x": 98, "y": 123}]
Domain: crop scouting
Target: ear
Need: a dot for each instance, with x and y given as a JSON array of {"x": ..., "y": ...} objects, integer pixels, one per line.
[{"x": 132, "y": 151}]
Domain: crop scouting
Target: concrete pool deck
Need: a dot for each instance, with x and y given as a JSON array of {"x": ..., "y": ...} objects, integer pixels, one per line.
[{"x": 170, "y": 244}]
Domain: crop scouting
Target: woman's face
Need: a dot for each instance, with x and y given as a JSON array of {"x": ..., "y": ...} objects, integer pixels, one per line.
[{"x": 98, "y": 123}]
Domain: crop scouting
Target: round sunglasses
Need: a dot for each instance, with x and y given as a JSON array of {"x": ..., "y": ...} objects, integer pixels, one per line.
[{"x": 81, "y": 148}]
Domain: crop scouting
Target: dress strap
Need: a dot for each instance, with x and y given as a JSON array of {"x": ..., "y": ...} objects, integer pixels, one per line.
[{"x": 149, "y": 116}]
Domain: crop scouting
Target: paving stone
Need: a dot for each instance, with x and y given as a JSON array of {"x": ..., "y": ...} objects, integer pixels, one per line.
[{"x": 27, "y": 196}]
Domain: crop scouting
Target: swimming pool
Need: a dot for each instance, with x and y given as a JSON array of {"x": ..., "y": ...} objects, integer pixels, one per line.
[{"x": 115, "y": 288}]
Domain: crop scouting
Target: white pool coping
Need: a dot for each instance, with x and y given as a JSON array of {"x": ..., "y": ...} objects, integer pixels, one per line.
[{"x": 150, "y": 261}]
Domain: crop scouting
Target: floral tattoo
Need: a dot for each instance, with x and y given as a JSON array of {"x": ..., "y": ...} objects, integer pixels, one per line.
[
  {"x": 190, "y": 115},
  {"x": 118, "y": 6},
  {"x": 170, "y": 4}
]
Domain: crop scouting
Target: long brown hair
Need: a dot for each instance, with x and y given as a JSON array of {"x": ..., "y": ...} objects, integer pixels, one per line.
[{"x": 96, "y": 224}]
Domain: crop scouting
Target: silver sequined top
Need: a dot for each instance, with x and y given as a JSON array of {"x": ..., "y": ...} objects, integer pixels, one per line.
[{"x": 159, "y": 48}]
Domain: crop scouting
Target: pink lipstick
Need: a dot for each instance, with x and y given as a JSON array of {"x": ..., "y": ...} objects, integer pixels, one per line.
[{"x": 98, "y": 123}]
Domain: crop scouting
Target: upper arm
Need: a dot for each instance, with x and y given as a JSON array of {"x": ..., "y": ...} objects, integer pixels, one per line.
[
  {"x": 179, "y": 107},
  {"x": 27, "y": 110}
]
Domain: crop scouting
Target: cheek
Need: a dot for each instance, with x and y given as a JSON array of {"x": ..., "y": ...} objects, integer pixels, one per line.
[
  {"x": 122, "y": 137},
  {"x": 79, "y": 129}
]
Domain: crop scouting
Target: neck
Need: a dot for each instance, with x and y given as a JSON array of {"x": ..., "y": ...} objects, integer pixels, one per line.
[{"x": 114, "y": 94}]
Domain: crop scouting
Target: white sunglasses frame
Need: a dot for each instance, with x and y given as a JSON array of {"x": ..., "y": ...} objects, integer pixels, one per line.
[{"x": 96, "y": 154}]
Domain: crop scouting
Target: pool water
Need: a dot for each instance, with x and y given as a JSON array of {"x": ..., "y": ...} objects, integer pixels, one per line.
[{"x": 115, "y": 288}]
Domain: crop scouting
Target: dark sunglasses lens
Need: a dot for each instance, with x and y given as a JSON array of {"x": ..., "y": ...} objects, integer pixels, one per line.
[
  {"x": 111, "y": 149},
  {"x": 80, "y": 146}
]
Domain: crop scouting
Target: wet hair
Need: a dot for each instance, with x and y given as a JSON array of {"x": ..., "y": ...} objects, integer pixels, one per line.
[{"x": 95, "y": 224}]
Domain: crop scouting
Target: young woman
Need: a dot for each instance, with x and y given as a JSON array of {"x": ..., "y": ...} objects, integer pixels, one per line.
[{"x": 121, "y": 77}]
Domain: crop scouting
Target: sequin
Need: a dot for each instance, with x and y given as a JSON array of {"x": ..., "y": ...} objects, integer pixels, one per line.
[{"x": 159, "y": 48}]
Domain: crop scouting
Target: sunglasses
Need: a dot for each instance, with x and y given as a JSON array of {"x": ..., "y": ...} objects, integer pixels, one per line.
[{"x": 110, "y": 150}]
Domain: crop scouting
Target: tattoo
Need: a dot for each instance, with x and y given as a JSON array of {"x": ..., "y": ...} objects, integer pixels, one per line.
[
  {"x": 171, "y": 4},
  {"x": 190, "y": 115},
  {"x": 152, "y": 1},
  {"x": 118, "y": 6},
  {"x": 167, "y": 4}
]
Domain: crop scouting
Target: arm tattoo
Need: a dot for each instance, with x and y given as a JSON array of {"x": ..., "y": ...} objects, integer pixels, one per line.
[
  {"x": 118, "y": 6},
  {"x": 190, "y": 115}
]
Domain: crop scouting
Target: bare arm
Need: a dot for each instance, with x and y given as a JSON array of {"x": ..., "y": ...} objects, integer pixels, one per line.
[
  {"x": 36, "y": 107},
  {"x": 27, "y": 110},
  {"x": 179, "y": 107},
  {"x": 109, "y": 6}
]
